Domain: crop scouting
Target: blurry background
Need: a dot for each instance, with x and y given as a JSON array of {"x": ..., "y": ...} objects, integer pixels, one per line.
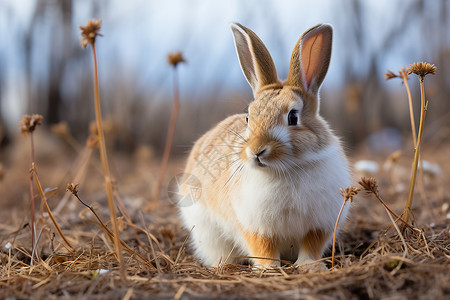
[{"x": 44, "y": 70}]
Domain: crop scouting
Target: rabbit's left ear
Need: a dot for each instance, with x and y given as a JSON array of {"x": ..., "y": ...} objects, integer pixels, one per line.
[
  {"x": 255, "y": 59},
  {"x": 310, "y": 58}
]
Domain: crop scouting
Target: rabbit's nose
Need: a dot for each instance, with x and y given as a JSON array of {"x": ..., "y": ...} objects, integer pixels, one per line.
[
  {"x": 260, "y": 157},
  {"x": 261, "y": 152}
]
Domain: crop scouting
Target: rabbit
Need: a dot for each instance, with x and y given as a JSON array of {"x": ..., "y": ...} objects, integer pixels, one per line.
[{"x": 263, "y": 187}]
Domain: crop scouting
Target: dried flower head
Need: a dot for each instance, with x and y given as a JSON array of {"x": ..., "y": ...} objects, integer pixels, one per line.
[
  {"x": 422, "y": 69},
  {"x": 389, "y": 75},
  {"x": 403, "y": 73},
  {"x": 71, "y": 187},
  {"x": 370, "y": 185},
  {"x": 90, "y": 32},
  {"x": 349, "y": 193},
  {"x": 28, "y": 123},
  {"x": 175, "y": 58}
]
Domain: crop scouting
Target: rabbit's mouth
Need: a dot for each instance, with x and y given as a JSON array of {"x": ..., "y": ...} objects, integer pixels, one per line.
[
  {"x": 259, "y": 156},
  {"x": 260, "y": 163}
]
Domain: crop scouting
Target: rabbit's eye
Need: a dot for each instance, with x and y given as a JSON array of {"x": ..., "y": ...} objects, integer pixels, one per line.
[
  {"x": 246, "y": 119},
  {"x": 293, "y": 117}
]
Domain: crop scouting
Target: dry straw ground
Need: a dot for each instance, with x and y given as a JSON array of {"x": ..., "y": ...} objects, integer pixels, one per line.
[{"x": 414, "y": 266}]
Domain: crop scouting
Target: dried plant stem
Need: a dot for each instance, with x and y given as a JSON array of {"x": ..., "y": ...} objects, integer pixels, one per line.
[
  {"x": 399, "y": 218},
  {"x": 334, "y": 233},
  {"x": 44, "y": 199},
  {"x": 32, "y": 204},
  {"x": 112, "y": 235},
  {"x": 170, "y": 134},
  {"x": 411, "y": 110},
  {"x": 408, "y": 207},
  {"x": 124, "y": 211},
  {"x": 34, "y": 251},
  {"x": 404, "y": 76},
  {"x": 182, "y": 247},
  {"x": 105, "y": 167},
  {"x": 394, "y": 223},
  {"x": 80, "y": 176}
]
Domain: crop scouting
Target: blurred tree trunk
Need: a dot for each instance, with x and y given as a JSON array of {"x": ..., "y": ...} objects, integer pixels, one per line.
[
  {"x": 60, "y": 52},
  {"x": 3, "y": 131},
  {"x": 47, "y": 98}
]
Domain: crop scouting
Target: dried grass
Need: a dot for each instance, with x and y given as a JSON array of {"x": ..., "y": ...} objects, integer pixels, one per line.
[{"x": 416, "y": 267}]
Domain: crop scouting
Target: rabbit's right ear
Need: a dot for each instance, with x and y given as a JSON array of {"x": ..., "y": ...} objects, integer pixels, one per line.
[
  {"x": 255, "y": 59},
  {"x": 310, "y": 58}
]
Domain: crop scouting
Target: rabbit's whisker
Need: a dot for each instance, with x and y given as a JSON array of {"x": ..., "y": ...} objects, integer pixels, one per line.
[{"x": 236, "y": 171}]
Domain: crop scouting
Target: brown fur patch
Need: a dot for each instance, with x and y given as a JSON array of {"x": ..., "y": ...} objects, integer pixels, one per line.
[
  {"x": 313, "y": 242},
  {"x": 262, "y": 246}
]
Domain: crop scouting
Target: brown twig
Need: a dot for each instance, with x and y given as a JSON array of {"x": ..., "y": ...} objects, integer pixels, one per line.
[
  {"x": 420, "y": 69},
  {"x": 404, "y": 76},
  {"x": 182, "y": 247},
  {"x": 89, "y": 34},
  {"x": 73, "y": 189},
  {"x": 32, "y": 208},
  {"x": 370, "y": 185},
  {"x": 44, "y": 199},
  {"x": 174, "y": 60},
  {"x": 348, "y": 195},
  {"x": 27, "y": 126}
]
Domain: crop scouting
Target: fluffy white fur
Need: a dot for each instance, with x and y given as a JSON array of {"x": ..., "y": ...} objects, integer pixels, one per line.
[{"x": 271, "y": 205}]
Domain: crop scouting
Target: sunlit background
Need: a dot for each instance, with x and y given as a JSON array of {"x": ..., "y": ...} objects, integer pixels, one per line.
[{"x": 44, "y": 70}]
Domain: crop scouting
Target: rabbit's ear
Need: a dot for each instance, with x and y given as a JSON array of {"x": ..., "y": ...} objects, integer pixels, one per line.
[
  {"x": 255, "y": 59},
  {"x": 310, "y": 58}
]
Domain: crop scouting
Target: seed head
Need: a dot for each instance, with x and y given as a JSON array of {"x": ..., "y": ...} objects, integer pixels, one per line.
[
  {"x": 349, "y": 193},
  {"x": 370, "y": 185},
  {"x": 90, "y": 32},
  {"x": 403, "y": 73},
  {"x": 389, "y": 75},
  {"x": 175, "y": 58},
  {"x": 28, "y": 123},
  {"x": 71, "y": 187},
  {"x": 422, "y": 69}
]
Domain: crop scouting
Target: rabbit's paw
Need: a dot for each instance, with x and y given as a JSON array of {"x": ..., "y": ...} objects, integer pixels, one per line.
[{"x": 311, "y": 266}]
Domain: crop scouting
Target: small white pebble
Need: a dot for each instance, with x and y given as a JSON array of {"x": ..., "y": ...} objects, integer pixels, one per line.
[
  {"x": 431, "y": 168},
  {"x": 432, "y": 225},
  {"x": 445, "y": 207},
  {"x": 400, "y": 187},
  {"x": 8, "y": 246},
  {"x": 366, "y": 166},
  {"x": 102, "y": 271},
  {"x": 448, "y": 216}
]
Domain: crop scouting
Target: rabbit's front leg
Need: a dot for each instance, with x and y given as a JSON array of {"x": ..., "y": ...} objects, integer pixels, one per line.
[
  {"x": 311, "y": 249},
  {"x": 264, "y": 249}
]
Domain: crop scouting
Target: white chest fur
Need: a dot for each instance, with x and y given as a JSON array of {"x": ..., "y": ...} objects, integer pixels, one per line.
[{"x": 290, "y": 205}]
